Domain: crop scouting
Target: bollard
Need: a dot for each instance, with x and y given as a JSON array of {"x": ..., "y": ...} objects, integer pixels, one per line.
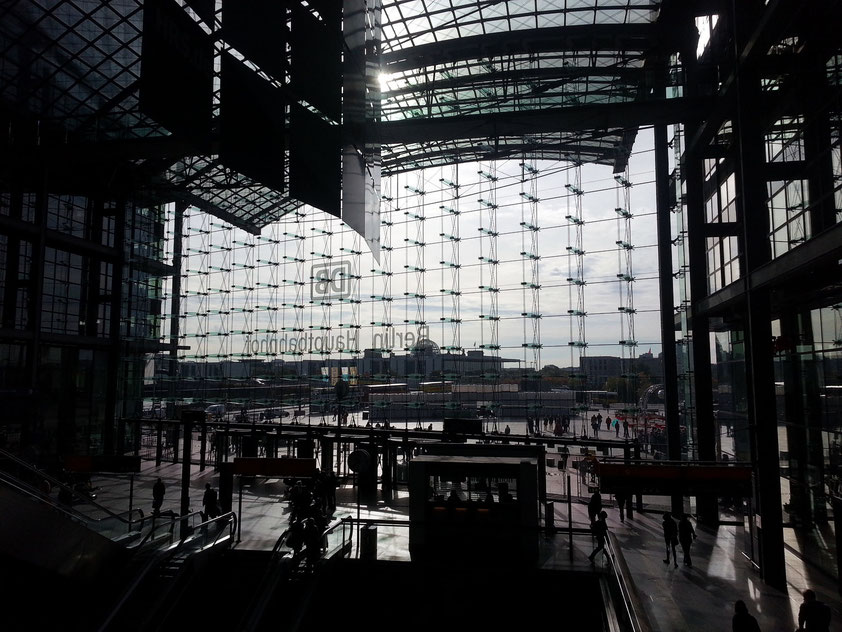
[{"x": 368, "y": 542}]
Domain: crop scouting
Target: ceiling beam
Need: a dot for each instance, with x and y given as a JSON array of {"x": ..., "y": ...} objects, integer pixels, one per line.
[
  {"x": 571, "y": 119},
  {"x": 595, "y": 37}
]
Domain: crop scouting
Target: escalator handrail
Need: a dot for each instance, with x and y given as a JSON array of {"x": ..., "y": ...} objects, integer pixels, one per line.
[
  {"x": 280, "y": 542},
  {"x": 275, "y": 569},
  {"x": 163, "y": 556},
  {"x": 37, "y": 494},
  {"x": 339, "y": 522},
  {"x": 631, "y": 601},
  {"x": 278, "y": 564},
  {"x": 153, "y": 562},
  {"x": 57, "y": 483}
]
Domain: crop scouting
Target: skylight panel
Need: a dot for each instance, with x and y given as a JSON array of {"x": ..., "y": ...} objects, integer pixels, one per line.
[
  {"x": 612, "y": 16},
  {"x": 522, "y": 23},
  {"x": 521, "y": 6},
  {"x": 497, "y": 26}
]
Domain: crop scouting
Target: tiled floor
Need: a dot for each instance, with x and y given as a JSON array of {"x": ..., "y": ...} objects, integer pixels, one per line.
[{"x": 693, "y": 599}]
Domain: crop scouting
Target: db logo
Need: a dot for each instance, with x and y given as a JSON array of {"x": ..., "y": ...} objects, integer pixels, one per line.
[{"x": 330, "y": 280}]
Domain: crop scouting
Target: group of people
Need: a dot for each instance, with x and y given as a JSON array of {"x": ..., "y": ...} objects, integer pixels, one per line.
[
  {"x": 554, "y": 424},
  {"x": 311, "y": 502},
  {"x": 596, "y": 425},
  {"x": 210, "y": 501},
  {"x": 317, "y": 492},
  {"x": 813, "y": 615},
  {"x": 682, "y": 533}
]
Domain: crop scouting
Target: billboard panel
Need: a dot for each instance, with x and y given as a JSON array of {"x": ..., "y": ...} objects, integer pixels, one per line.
[{"x": 176, "y": 72}]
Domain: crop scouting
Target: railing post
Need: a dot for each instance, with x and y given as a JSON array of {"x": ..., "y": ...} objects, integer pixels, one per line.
[
  {"x": 569, "y": 517},
  {"x": 159, "y": 447},
  {"x": 185, "y": 475},
  {"x": 240, "y": 510},
  {"x": 131, "y": 498}
]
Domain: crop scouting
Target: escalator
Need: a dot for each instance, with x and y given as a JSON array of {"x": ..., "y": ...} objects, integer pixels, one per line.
[
  {"x": 219, "y": 591},
  {"x": 72, "y": 499},
  {"x": 385, "y": 595},
  {"x": 452, "y": 594},
  {"x": 47, "y": 550},
  {"x": 243, "y": 590},
  {"x": 156, "y": 590},
  {"x": 78, "y": 552}
]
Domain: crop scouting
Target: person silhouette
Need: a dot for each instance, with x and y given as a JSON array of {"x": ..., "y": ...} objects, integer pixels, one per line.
[
  {"x": 813, "y": 615},
  {"x": 158, "y": 490},
  {"x": 686, "y": 535},
  {"x": 504, "y": 494},
  {"x": 742, "y": 621},
  {"x": 600, "y": 530},
  {"x": 622, "y": 499},
  {"x": 209, "y": 500},
  {"x": 670, "y": 537},
  {"x": 594, "y": 506}
]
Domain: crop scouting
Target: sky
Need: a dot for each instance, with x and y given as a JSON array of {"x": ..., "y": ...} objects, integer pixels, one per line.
[{"x": 254, "y": 283}]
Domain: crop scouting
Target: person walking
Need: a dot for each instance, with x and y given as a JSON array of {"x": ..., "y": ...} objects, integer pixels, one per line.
[
  {"x": 210, "y": 501},
  {"x": 599, "y": 528},
  {"x": 686, "y": 535},
  {"x": 158, "y": 490},
  {"x": 813, "y": 615},
  {"x": 742, "y": 621},
  {"x": 625, "y": 428},
  {"x": 616, "y": 423},
  {"x": 670, "y": 537},
  {"x": 564, "y": 453},
  {"x": 594, "y": 506},
  {"x": 622, "y": 499}
]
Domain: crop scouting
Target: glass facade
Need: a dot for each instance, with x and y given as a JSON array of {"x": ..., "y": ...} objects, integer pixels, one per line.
[
  {"x": 97, "y": 302},
  {"x": 63, "y": 366}
]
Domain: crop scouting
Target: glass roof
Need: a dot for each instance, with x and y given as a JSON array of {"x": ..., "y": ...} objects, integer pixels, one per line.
[
  {"x": 74, "y": 67},
  {"x": 411, "y": 23}
]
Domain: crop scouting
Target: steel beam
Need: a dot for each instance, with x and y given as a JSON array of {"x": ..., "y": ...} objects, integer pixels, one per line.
[
  {"x": 631, "y": 114},
  {"x": 592, "y": 37}
]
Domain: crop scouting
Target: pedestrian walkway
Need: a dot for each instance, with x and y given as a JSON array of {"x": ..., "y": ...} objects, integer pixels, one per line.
[{"x": 692, "y": 599}]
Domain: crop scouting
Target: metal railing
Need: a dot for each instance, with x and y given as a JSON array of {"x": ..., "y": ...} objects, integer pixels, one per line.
[
  {"x": 196, "y": 538},
  {"x": 631, "y": 603},
  {"x": 335, "y": 540},
  {"x": 109, "y": 524},
  {"x": 113, "y": 526}
]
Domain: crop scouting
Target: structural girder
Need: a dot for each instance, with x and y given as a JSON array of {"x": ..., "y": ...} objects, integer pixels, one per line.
[
  {"x": 572, "y": 119},
  {"x": 595, "y": 37}
]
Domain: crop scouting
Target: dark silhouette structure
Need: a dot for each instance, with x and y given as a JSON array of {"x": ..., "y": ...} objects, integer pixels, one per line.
[{"x": 122, "y": 120}]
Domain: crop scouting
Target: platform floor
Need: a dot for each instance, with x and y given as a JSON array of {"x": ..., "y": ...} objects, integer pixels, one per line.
[{"x": 692, "y": 599}]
